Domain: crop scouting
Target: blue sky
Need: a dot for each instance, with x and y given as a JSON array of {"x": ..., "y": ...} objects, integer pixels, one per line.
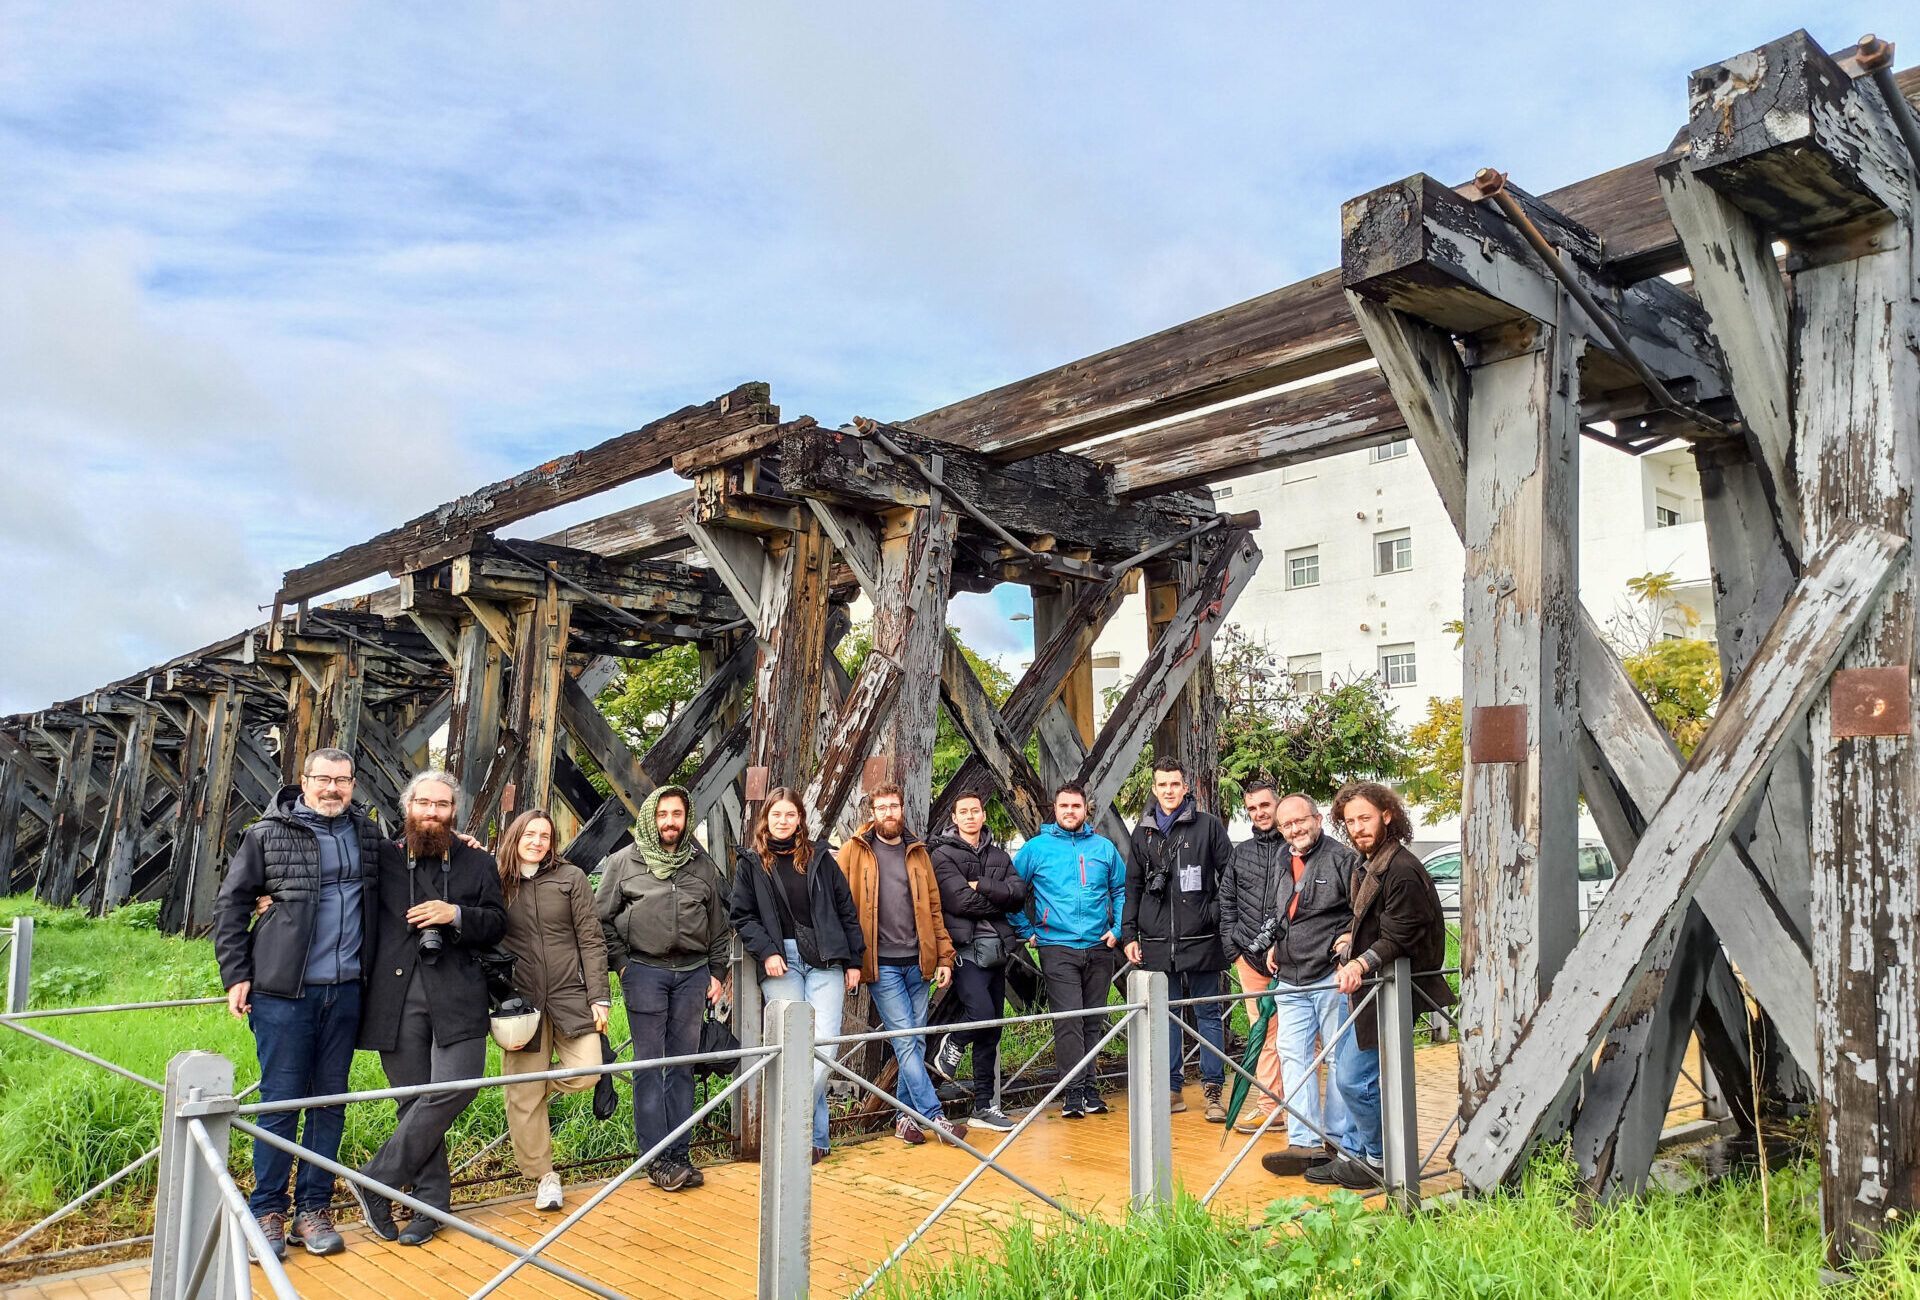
[{"x": 273, "y": 278}]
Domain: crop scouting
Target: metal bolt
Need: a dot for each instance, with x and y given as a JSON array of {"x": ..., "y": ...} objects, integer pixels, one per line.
[
  {"x": 1489, "y": 181},
  {"x": 1874, "y": 53}
]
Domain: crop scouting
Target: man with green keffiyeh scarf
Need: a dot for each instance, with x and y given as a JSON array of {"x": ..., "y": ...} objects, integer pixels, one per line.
[{"x": 662, "y": 905}]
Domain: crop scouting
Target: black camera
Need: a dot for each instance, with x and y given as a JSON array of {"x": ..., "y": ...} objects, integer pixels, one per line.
[
  {"x": 1267, "y": 936},
  {"x": 432, "y": 942},
  {"x": 1157, "y": 876}
]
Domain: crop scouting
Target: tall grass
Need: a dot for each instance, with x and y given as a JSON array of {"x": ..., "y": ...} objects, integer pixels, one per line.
[{"x": 1523, "y": 1244}]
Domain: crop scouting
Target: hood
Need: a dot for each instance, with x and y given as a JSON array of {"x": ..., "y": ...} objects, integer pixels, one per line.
[
  {"x": 1053, "y": 828},
  {"x": 952, "y": 836},
  {"x": 285, "y": 807}
]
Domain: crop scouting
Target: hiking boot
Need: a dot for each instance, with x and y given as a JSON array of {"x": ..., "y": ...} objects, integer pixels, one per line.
[
  {"x": 274, "y": 1227},
  {"x": 991, "y": 1118},
  {"x": 952, "y": 1132},
  {"x": 1216, "y": 1108},
  {"x": 419, "y": 1231},
  {"x": 908, "y": 1131},
  {"x": 548, "y": 1195},
  {"x": 1294, "y": 1162},
  {"x": 314, "y": 1229},
  {"x": 670, "y": 1175},
  {"x": 376, "y": 1209},
  {"x": 1177, "y": 1102}
]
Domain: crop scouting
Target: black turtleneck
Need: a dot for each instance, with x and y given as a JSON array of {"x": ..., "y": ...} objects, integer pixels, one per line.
[{"x": 792, "y": 883}]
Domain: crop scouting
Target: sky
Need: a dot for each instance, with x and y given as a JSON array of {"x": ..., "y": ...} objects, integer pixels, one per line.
[{"x": 274, "y": 278}]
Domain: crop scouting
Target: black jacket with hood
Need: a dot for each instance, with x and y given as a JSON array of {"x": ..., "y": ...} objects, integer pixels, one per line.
[
  {"x": 467, "y": 877},
  {"x": 754, "y": 911},
  {"x": 1260, "y": 886},
  {"x": 979, "y": 889},
  {"x": 1177, "y": 925},
  {"x": 279, "y": 856}
]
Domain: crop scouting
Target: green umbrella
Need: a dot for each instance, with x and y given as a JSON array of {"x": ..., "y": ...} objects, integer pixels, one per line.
[{"x": 1249, "y": 1062}]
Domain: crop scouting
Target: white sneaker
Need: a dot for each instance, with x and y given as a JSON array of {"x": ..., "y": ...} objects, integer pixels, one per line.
[{"x": 547, "y": 1197}]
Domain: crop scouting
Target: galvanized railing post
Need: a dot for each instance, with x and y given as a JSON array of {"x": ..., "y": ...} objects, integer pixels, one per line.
[
  {"x": 20, "y": 964},
  {"x": 1399, "y": 1115},
  {"x": 186, "y": 1207},
  {"x": 747, "y": 1011},
  {"x": 786, "y": 1154},
  {"x": 1149, "y": 1062}
]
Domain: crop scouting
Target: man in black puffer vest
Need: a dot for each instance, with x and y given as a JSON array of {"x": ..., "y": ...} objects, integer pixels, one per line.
[
  {"x": 297, "y": 971},
  {"x": 1172, "y": 919},
  {"x": 979, "y": 893}
]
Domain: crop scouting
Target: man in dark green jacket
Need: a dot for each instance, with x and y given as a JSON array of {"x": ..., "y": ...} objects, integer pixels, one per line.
[{"x": 662, "y": 905}]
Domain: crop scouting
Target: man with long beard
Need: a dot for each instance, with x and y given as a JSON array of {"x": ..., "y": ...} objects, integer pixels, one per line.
[
  {"x": 426, "y": 1000},
  {"x": 1396, "y": 913}
]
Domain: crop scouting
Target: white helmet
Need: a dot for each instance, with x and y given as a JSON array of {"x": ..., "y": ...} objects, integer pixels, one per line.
[{"x": 514, "y": 1024}]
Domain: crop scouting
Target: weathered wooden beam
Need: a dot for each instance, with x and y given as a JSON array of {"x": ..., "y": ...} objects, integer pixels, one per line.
[
  {"x": 1789, "y": 137},
  {"x": 60, "y": 864},
  {"x": 793, "y": 631},
  {"x": 1857, "y": 434},
  {"x": 974, "y": 715},
  {"x": 426, "y": 539},
  {"x": 1181, "y": 649},
  {"x": 1741, "y": 287},
  {"x": 1058, "y": 731},
  {"x": 856, "y": 541},
  {"x": 1190, "y": 729},
  {"x": 910, "y": 627},
  {"x": 875, "y": 694},
  {"x": 473, "y": 719},
  {"x": 650, "y": 529},
  {"x": 1427, "y": 385},
  {"x": 1067, "y": 497},
  {"x": 539, "y": 670},
  {"x": 738, "y": 559},
  {"x": 41, "y": 778},
  {"x": 1050, "y": 609},
  {"x": 623, "y": 769},
  {"x": 121, "y": 826},
  {"x": 12, "y": 808},
  {"x": 200, "y": 818},
  {"x": 662, "y": 589},
  {"x": 412, "y": 742},
  {"x": 488, "y": 793},
  {"x": 698, "y": 715},
  {"x": 1726, "y": 774}
]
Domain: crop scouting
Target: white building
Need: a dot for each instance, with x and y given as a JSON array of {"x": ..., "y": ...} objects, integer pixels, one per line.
[{"x": 1363, "y": 571}]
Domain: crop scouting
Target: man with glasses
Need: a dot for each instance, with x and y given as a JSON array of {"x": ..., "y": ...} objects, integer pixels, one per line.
[{"x": 294, "y": 967}]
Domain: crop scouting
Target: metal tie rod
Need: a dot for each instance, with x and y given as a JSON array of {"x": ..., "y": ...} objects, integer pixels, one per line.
[
  {"x": 1489, "y": 183},
  {"x": 1876, "y": 57}
]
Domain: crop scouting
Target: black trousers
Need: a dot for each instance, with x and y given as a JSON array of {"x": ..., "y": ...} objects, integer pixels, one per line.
[
  {"x": 982, "y": 995},
  {"x": 1076, "y": 978},
  {"x": 416, "y": 1154}
]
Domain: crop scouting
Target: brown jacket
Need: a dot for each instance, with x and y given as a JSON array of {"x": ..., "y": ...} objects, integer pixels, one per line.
[
  {"x": 562, "y": 958},
  {"x": 862, "y": 871},
  {"x": 1399, "y": 917}
]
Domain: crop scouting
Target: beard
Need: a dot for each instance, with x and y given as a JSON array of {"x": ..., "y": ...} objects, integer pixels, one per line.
[
  {"x": 890, "y": 827},
  {"x": 428, "y": 837},
  {"x": 670, "y": 835}
]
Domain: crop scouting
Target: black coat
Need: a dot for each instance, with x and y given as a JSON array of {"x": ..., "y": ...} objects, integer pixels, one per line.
[
  {"x": 1178, "y": 929},
  {"x": 958, "y": 867},
  {"x": 470, "y": 880},
  {"x": 280, "y": 856},
  {"x": 755, "y": 912},
  {"x": 1403, "y": 919},
  {"x": 1259, "y": 887}
]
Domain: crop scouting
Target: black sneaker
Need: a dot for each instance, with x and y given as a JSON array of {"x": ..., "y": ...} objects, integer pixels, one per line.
[
  {"x": 376, "y": 1209},
  {"x": 991, "y": 1118},
  {"x": 947, "y": 1060},
  {"x": 419, "y": 1231},
  {"x": 1072, "y": 1107},
  {"x": 1091, "y": 1103}
]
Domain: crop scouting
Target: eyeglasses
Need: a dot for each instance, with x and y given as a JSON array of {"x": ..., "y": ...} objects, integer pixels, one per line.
[
  {"x": 324, "y": 781},
  {"x": 438, "y": 805}
]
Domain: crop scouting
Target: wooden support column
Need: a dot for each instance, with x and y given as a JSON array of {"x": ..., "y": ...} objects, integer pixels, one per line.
[
  {"x": 60, "y": 864},
  {"x": 121, "y": 825},
  {"x": 199, "y": 840},
  {"x": 793, "y": 639},
  {"x": 1190, "y": 729},
  {"x": 473, "y": 722},
  {"x": 12, "y": 807},
  {"x": 1519, "y": 906},
  {"x": 539, "y": 669},
  {"x": 1052, "y": 609},
  {"x": 910, "y": 627}
]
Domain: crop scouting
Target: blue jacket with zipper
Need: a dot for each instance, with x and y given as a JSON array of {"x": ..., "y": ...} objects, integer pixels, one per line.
[{"x": 1077, "y": 888}]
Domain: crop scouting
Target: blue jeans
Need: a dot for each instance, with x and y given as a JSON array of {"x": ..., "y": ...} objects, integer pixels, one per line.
[
  {"x": 305, "y": 1046},
  {"x": 664, "y": 1011},
  {"x": 1210, "y": 1018},
  {"x": 825, "y": 990},
  {"x": 900, "y": 998},
  {"x": 1356, "y": 1072},
  {"x": 1300, "y": 1018}
]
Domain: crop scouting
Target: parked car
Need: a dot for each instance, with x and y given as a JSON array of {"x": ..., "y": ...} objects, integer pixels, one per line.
[{"x": 1596, "y": 875}]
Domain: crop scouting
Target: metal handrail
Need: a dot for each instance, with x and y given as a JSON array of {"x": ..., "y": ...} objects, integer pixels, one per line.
[
  {"x": 1035, "y": 1017},
  {"x": 242, "y": 1218},
  {"x": 47, "y": 1013}
]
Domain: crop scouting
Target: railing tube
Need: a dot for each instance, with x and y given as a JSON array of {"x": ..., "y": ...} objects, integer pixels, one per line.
[
  {"x": 744, "y": 1118},
  {"x": 20, "y": 964},
  {"x": 186, "y": 1209},
  {"x": 786, "y": 1154},
  {"x": 1149, "y": 1062},
  {"x": 1399, "y": 1113}
]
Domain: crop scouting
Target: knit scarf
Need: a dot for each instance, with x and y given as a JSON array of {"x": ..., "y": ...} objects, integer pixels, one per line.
[
  {"x": 1371, "y": 876},
  {"x": 661, "y": 860}
]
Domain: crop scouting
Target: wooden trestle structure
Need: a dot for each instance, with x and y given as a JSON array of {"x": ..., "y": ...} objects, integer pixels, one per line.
[{"x": 1782, "y": 860}]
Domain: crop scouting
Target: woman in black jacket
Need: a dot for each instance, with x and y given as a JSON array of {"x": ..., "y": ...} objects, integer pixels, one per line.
[
  {"x": 979, "y": 892},
  {"x": 794, "y": 913}
]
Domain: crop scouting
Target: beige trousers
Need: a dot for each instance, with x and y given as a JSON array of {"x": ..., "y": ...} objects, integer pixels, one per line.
[
  {"x": 527, "y": 1102},
  {"x": 1268, "y": 1069}
]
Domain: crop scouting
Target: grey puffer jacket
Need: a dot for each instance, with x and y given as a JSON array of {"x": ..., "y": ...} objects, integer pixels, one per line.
[
  {"x": 560, "y": 953},
  {"x": 678, "y": 923}
]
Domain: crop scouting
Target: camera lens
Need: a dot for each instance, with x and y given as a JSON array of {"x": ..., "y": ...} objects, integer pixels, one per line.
[{"x": 431, "y": 942}]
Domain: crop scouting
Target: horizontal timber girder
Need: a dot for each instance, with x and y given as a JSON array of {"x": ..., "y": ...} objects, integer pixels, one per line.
[{"x": 1726, "y": 773}]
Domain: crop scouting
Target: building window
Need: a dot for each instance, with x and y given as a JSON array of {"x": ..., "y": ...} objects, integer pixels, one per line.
[
  {"x": 1396, "y": 665},
  {"x": 1303, "y": 567},
  {"x": 1666, "y": 511},
  {"x": 1305, "y": 672},
  {"x": 1394, "y": 450},
  {"x": 1222, "y": 493},
  {"x": 1392, "y": 552}
]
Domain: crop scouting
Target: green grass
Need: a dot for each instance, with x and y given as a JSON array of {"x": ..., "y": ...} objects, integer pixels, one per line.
[
  {"x": 1517, "y": 1246},
  {"x": 66, "y": 1124}
]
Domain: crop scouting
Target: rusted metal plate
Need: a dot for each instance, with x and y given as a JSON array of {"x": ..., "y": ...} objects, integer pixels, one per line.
[
  {"x": 758, "y": 783},
  {"x": 1872, "y": 702},
  {"x": 1498, "y": 734}
]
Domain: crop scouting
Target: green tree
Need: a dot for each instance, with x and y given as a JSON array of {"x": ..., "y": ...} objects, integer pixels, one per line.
[
  {"x": 644, "y": 699},
  {"x": 1438, "y": 757},
  {"x": 1680, "y": 679}
]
